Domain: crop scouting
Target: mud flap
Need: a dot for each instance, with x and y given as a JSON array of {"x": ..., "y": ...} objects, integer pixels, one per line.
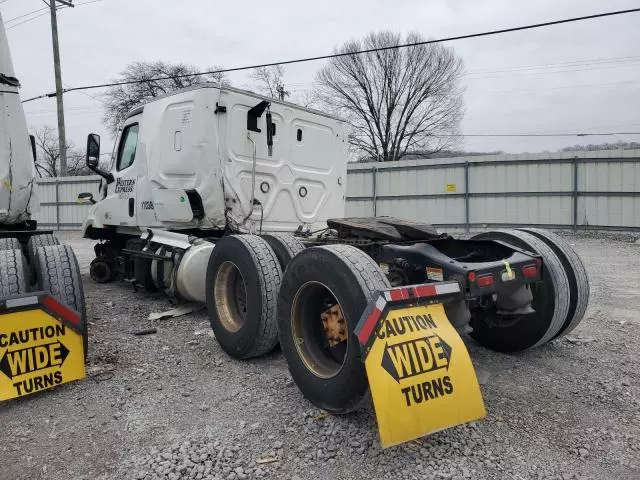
[
  {"x": 419, "y": 371},
  {"x": 41, "y": 345}
]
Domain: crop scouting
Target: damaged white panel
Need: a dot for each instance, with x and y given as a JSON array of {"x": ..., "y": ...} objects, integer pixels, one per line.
[
  {"x": 171, "y": 205},
  {"x": 17, "y": 168}
]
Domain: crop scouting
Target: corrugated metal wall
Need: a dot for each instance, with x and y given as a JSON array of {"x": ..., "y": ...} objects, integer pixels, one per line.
[
  {"x": 599, "y": 190},
  {"x": 59, "y": 208}
]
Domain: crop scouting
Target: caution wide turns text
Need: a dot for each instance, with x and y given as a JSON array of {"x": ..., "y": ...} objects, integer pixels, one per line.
[
  {"x": 37, "y": 352},
  {"x": 421, "y": 377}
]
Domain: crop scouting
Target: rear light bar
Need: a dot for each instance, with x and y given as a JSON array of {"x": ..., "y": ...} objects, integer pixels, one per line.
[
  {"x": 484, "y": 281},
  {"x": 530, "y": 271},
  {"x": 481, "y": 281}
]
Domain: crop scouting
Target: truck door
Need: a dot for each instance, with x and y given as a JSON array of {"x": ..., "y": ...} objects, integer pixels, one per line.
[{"x": 121, "y": 194}]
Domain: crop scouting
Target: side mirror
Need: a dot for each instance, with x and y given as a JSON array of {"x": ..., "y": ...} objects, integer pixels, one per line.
[
  {"x": 92, "y": 158},
  {"x": 93, "y": 151},
  {"x": 86, "y": 197}
]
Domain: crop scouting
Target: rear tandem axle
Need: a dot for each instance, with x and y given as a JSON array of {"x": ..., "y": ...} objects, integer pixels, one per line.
[{"x": 517, "y": 289}]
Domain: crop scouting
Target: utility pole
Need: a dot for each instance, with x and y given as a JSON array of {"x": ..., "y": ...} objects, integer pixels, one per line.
[
  {"x": 62, "y": 140},
  {"x": 282, "y": 93}
]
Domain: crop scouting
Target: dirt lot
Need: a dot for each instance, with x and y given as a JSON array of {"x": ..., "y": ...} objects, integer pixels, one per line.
[{"x": 173, "y": 405}]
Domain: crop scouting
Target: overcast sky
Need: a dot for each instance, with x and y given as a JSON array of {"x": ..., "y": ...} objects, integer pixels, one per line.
[{"x": 595, "y": 87}]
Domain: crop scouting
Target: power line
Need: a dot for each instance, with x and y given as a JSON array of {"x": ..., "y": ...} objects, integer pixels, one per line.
[
  {"x": 621, "y": 61},
  {"x": 28, "y": 20},
  {"x": 67, "y": 114},
  {"x": 584, "y": 85},
  {"x": 523, "y": 73},
  {"x": 78, "y": 107},
  {"x": 360, "y": 52},
  {"x": 93, "y": 97},
  {"x": 53, "y": 8},
  {"x": 87, "y": 109},
  {"x": 560, "y": 87},
  {"x": 605, "y": 134},
  {"x": 43, "y": 14},
  {"x": 9, "y": 20},
  {"x": 87, "y": 3},
  {"x": 567, "y": 64},
  {"x": 493, "y": 92}
]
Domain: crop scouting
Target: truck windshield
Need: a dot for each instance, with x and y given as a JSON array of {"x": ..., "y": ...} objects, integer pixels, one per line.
[{"x": 128, "y": 145}]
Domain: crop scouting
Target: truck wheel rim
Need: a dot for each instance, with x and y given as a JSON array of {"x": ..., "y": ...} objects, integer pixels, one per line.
[
  {"x": 100, "y": 272},
  {"x": 231, "y": 297},
  {"x": 322, "y": 349}
]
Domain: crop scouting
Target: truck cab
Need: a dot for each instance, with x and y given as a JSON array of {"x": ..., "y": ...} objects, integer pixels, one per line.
[{"x": 212, "y": 159}]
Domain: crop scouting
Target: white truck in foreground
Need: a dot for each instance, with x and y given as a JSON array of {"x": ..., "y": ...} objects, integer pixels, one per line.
[
  {"x": 20, "y": 240},
  {"x": 43, "y": 328},
  {"x": 223, "y": 196}
]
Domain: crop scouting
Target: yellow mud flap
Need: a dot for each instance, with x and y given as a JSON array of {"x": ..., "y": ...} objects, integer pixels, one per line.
[
  {"x": 41, "y": 345},
  {"x": 420, "y": 374}
]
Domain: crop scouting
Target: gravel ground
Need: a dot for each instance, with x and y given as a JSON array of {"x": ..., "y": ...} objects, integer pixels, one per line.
[{"x": 173, "y": 405}]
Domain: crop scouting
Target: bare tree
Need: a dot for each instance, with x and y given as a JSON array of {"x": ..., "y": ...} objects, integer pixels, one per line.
[
  {"x": 119, "y": 99},
  {"x": 48, "y": 155},
  {"x": 270, "y": 81},
  {"x": 306, "y": 98},
  {"x": 398, "y": 100}
]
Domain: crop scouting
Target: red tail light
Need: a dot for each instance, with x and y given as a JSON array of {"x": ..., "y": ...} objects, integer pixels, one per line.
[
  {"x": 530, "y": 271},
  {"x": 471, "y": 276},
  {"x": 484, "y": 281}
]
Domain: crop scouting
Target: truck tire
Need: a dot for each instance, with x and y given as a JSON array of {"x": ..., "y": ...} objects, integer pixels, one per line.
[
  {"x": 10, "y": 244},
  {"x": 551, "y": 301},
  {"x": 36, "y": 241},
  {"x": 101, "y": 270},
  {"x": 576, "y": 273},
  {"x": 243, "y": 279},
  {"x": 57, "y": 273},
  {"x": 285, "y": 246},
  {"x": 317, "y": 280},
  {"x": 13, "y": 273}
]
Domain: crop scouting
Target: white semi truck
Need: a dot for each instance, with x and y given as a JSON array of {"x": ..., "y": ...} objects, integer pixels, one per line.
[
  {"x": 20, "y": 239},
  {"x": 17, "y": 169},
  {"x": 223, "y": 196},
  {"x": 40, "y": 282}
]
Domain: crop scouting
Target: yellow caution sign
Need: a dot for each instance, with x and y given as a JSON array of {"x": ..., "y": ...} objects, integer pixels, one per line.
[
  {"x": 41, "y": 346},
  {"x": 420, "y": 374},
  {"x": 451, "y": 187}
]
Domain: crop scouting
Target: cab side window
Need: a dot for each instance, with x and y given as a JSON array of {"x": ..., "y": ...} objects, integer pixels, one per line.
[{"x": 127, "y": 148}]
